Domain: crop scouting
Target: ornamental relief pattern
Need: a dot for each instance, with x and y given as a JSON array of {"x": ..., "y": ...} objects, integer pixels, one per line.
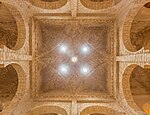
[{"x": 98, "y": 36}]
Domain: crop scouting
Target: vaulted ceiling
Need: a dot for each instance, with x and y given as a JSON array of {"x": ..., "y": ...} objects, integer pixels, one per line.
[
  {"x": 96, "y": 36},
  {"x": 74, "y": 57}
]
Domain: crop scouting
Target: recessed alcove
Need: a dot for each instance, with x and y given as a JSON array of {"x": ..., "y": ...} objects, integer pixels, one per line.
[
  {"x": 8, "y": 28},
  {"x": 140, "y": 29},
  {"x": 8, "y": 83},
  {"x": 140, "y": 86}
]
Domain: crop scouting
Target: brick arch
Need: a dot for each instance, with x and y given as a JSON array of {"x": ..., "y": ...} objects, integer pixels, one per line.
[
  {"x": 20, "y": 26},
  {"x": 20, "y": 90},
  {"x": 126, "y": 88},
  {"x": 47, "y": 109},
  {"x": 128, "y": 23},
  {"x": 101, "y": 110},
  {"x": 48, "y": 4}
]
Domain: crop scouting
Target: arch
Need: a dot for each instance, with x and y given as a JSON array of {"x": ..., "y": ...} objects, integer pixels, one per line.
[
  {"x": 48, "y": 4},
  {"x": 128, "y": 24},
  {"x": 8, "y": 83},
  {"x": 99, "y": 4},
  {"x": 99, "y": 109},
  {"x": 126, "y": 87},
  {"x": 21, "y": 33},
  {"x": 140, "y": 85},
  {"x": 20, "y": 89},
  {"x": 47, "y": 109}
]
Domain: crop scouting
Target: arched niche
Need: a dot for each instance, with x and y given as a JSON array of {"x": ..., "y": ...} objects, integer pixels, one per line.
[
  {"x": 12, "y": 29},
  {"x": 140, "y": 29},
  {"x": 99, "y": 110},
  {"x": 140, "y": 86},
  {"x": 47, "y": 110},
  {"x": 13, "y": 85},
  {"x": 48, "y": 4},
  {"x": 8, "y": 83},
  {"x": 127, "y": 80},
  {"x": 135, "y": 29},
  {"x": 99, "y": 4}
]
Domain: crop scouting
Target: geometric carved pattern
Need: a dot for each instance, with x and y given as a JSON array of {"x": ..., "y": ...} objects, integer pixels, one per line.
[{"x": 75, "y": 33}]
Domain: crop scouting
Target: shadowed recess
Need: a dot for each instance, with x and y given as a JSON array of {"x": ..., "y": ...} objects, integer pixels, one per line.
[
  {"x": 50, "y": 0},
  {"x": 97, "y": 0},
  {"x": 8, "y": 28},
  {"x": 99, "y": 110},
  {"x": 147, "y": 5},
  {"x": 48, "y": 4},
  {"x": 140, "y": 30},
  {"x": 140, "y": 86},
  {"x": 8, "y": 83},
  {"x": 99, "y": 4},
  {"x": 140, "y": 81}
]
